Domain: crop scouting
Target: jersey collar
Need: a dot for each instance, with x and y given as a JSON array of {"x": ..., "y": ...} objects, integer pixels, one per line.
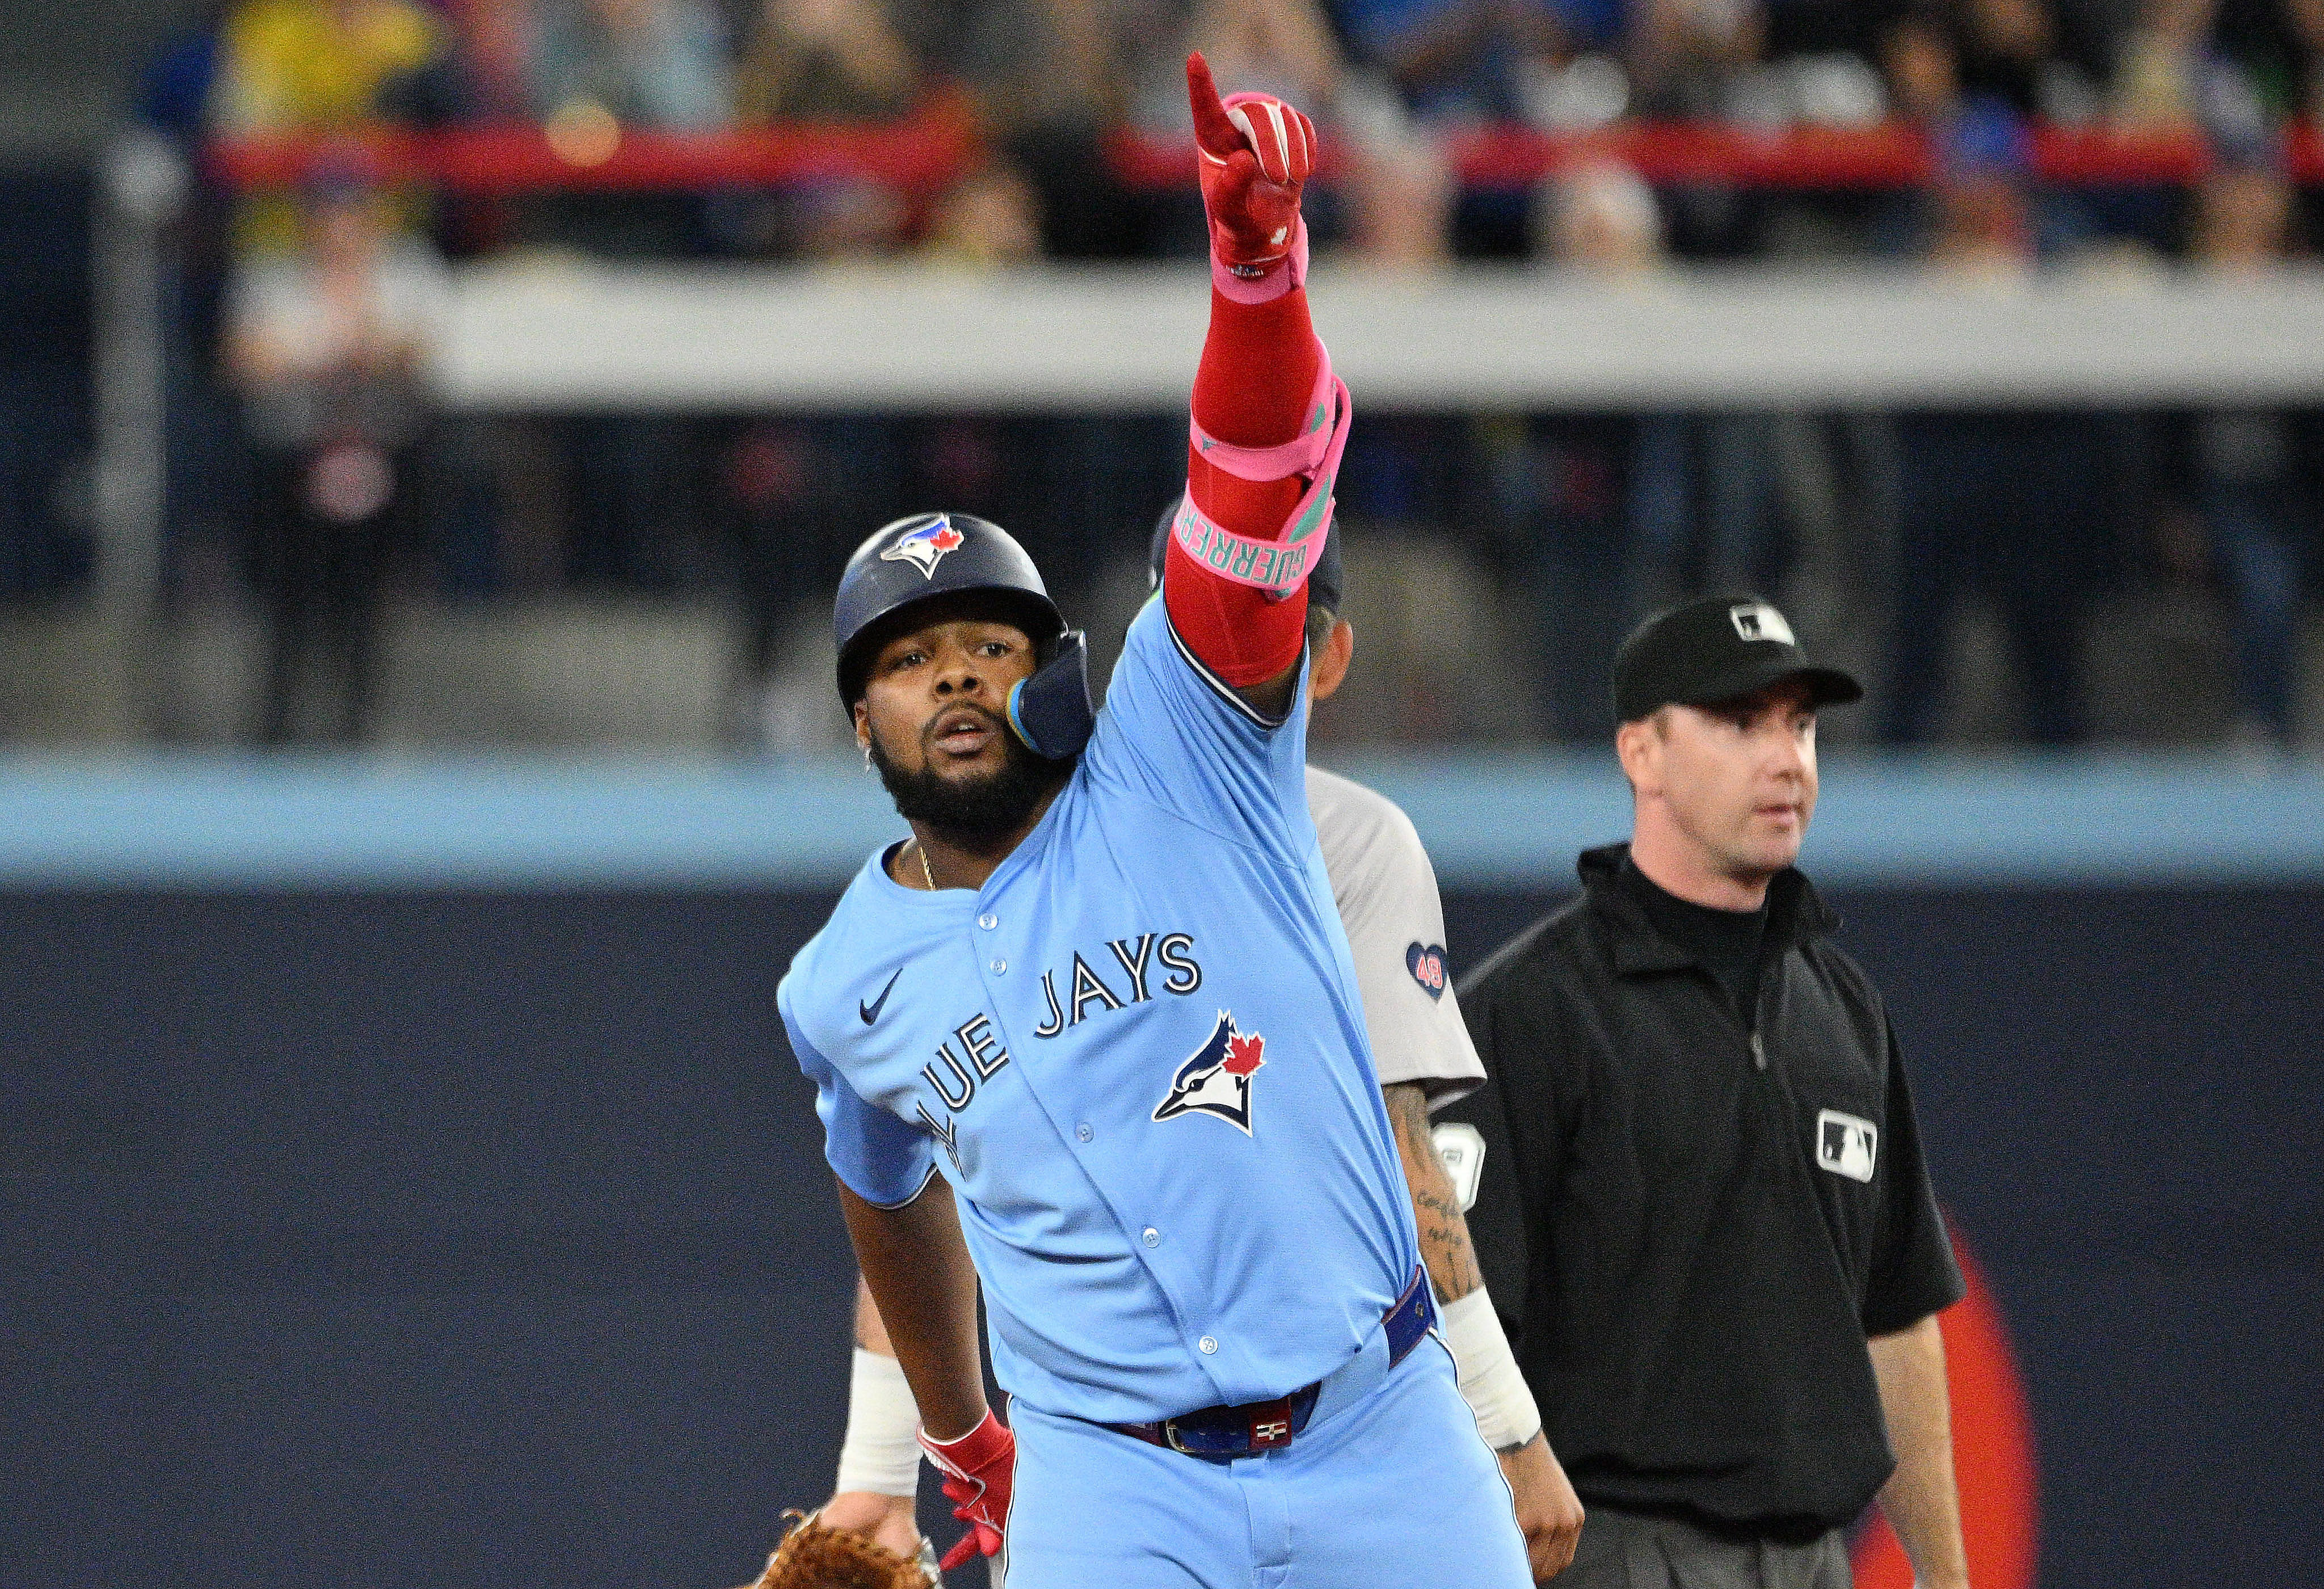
[{"x": 1796, "y": 913}]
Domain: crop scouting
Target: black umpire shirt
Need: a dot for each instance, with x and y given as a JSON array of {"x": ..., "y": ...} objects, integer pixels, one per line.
[{"x": 1691, "y": 1213}]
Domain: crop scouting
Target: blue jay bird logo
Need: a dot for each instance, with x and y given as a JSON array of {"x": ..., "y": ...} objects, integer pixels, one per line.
[
  {"x": 1217, "y": 1080},
  {"x": 925, "y": 546}
]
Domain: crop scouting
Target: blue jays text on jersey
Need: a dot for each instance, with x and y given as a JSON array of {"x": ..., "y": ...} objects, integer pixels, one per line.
[
  {"x": 955, "y": 1082},
  {"x": 1138, "y": 1054}
]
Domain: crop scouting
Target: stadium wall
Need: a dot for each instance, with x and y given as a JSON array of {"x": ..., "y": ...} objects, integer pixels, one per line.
[{"x": 389, "y": 1212}]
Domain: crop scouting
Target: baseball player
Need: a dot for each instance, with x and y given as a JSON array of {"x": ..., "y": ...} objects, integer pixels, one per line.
[
  {"x": 1092, "y": 1037},
  {"x": 1385, "y": 891}
]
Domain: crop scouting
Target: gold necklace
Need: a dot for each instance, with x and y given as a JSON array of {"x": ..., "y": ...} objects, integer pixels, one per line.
[{"x": 930, "y": 876}]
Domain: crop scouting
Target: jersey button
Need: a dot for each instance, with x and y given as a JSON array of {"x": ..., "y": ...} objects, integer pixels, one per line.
[
  {"x": 1209, "y": 1344},
  {"x": 1149, "y": 1235},
  {"x": 987, "y": 921},
  {"x": 999, "y": 968},
  {"x": 1759, "y": 1053},
  {"x": 1083, "y": 1131}
]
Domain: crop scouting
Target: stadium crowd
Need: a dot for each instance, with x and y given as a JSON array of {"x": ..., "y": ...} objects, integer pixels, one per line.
[
  {"x": 1061, "y": 91},
  {"x": 303, "y": 309}
]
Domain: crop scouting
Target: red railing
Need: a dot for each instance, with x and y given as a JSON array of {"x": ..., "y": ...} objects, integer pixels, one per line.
[
  {"x": 923, "y": 155},
  {"x": 935, "y": 147},
  {"x": 1870, "y": 158}
]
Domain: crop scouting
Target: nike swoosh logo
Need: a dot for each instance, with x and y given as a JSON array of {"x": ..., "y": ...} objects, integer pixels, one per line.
[{"x": 870, "y": 1012}]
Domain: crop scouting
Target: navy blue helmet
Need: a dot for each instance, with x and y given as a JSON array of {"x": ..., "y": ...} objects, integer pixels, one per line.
[{"x": 915, "y": 560}]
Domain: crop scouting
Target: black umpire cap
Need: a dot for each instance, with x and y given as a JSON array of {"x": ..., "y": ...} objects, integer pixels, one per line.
[{"x": 1717, "y": 649}]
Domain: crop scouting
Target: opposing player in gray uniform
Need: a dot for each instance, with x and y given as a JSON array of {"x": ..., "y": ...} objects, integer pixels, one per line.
[{"x": 1385, "y": 891}]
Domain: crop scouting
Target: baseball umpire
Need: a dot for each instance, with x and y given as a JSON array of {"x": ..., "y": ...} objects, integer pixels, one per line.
[
  {"x": 1698, "y": 1184},
  {"x": 1091, "y": 1036},
  {"x": 1385, "y": 890}
]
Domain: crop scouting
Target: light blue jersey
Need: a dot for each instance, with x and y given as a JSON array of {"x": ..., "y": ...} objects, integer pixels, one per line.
[{"x": 1138, "y": 1055}]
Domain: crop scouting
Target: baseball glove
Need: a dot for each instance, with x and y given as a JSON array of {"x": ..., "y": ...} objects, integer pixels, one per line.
[{"x": 813, "y": 1556}]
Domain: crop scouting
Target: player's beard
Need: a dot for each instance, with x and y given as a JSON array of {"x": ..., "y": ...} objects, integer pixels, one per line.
[{"x": 974, "y": 813}]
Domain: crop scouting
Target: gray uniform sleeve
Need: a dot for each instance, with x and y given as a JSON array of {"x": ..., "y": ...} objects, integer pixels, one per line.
[{"x": 1385, "y": 891}]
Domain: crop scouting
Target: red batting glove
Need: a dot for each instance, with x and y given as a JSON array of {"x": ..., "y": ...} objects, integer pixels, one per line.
[
  {"x": 1255, "y": 153},
  {"x": 980, "y": 1472}
]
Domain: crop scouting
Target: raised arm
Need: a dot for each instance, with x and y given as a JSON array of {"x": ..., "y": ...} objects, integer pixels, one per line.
[{"x": 1268, "y": 422}]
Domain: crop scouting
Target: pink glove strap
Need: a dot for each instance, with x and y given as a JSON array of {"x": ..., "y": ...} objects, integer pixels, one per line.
[
  {"x": 1276, "y": 566},
  {"x": 1272, "y": 282},
  {"x": 1302, "y": 455}
]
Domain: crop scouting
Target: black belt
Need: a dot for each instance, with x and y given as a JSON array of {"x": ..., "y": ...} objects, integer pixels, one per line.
[{"x": 1221, "y": 1432}]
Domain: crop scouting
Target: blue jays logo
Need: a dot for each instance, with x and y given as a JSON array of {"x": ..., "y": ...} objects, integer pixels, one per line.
[
  {"x": 925, "y": 546},
  {"x": 1217, "y": 1080}
]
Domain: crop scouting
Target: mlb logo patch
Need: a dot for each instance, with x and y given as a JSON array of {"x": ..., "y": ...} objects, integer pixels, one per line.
[
  {"x": 925, "y": 546},
  {"x": 1845, "y": 1145},
  {"x": 1756, "y": 620}
]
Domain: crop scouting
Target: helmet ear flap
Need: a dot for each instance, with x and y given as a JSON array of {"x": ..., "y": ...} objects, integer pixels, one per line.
[{"x": 1053, "y": 711}]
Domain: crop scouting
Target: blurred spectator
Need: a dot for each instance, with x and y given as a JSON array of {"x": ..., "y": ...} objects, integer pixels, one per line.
[
  {"x": 1279, "y": 46},
  {"x": 1390, "y": 195},
  {"x": 1600, "y": 219},
  {"x": 2010, "y": 506},
  {"x": 1938, "y": 52},
  {"x": 648, "y": 63},
  {"x": 202, "y": 500},
  {"x": 326, "y": 347},
  {"x": 1400, "y": 198},
  {"x": 1981, "y": 212},
  {"x": 291, "y": 67},
  {"x": 826, "y": 60},
  {"x": 2247, "y": 475},
  {"x": 657, "y": 65},
  {"x": 495, "y": 58},
  {"x": 1465, "y": 60},
  {"x": 329, "y": 65},
  {"x": 1051, "y": 77},
  {"x": 990, "y": 219},
  {"x": 823, "y": 62},
  {"x": 2181, "y": 53},
  {"x": 175, "y": 91},
  {"x": 1696, "y": 58},
  {"x": 1585, "y": 481}
]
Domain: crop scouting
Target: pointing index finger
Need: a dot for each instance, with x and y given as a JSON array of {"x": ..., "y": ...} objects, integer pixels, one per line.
[{"x": 1212, "y": 131}]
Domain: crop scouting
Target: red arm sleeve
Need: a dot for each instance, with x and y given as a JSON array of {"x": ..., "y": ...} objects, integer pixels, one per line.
[{"x": 1259, "y": 365}]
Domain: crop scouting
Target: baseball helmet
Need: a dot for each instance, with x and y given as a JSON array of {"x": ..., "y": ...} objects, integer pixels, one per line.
[{"x": 902, "y": 566}]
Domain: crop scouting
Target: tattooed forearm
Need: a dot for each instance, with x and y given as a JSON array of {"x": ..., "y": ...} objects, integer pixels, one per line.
[{"x": 1444, "y": 1232}]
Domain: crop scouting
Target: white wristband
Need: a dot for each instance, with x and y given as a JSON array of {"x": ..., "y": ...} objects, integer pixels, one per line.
[
  {"x": 1489, "y": 1381},
  {"x": 880, "y": 1454}
]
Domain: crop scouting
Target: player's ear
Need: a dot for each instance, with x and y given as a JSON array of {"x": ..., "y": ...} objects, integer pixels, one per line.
[
  {"x": 1636, "y": 745},
  {"x": 1327, "y": 670},
  {"x": 861, "y": 714}
]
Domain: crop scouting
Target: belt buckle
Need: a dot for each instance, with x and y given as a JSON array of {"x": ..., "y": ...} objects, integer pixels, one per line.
[{"x": 1170, "y": 1437}]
